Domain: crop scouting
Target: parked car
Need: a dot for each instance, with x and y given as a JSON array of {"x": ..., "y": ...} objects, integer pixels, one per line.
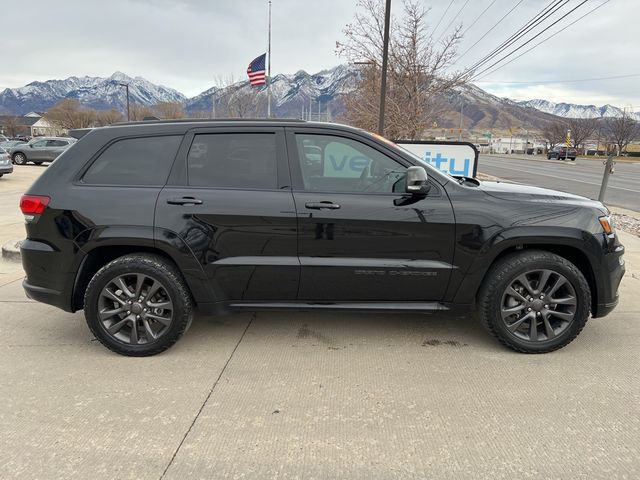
[
  {"x": 3, "y": 138},
  {"x": 140, "y": 223},
  {"x": 41, "y": 149},
  {"x": 559, "y": 152},
  {"x": 5, "y": 162},
  {"x": 10, "y": 144}
]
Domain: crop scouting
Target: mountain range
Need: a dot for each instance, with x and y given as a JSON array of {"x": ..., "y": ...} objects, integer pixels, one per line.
[{"x": 322, "y": 92}]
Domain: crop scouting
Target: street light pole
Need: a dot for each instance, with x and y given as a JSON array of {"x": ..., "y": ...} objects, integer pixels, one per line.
[
  {"x": 126, "y": 85},
  {"x": 385, "y": 55}
]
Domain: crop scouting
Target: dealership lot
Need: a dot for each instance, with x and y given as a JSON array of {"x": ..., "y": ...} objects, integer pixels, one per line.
[{"x": 308, "y": 395}]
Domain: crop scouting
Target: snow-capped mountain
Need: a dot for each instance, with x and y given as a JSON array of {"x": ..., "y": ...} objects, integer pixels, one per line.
[
  {"x": 95, "y": 92},
  {"x": 322, "y": 92},
  {"x": 291, "y": 92},
  {"x": 571, "y": 110}
]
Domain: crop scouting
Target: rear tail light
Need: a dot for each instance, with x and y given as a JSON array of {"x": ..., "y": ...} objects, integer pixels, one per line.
[{"x": 33, "y": 204}]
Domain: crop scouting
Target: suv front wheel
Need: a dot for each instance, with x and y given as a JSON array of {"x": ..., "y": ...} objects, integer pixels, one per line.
[
  {"x": 534, "y": 301},
  {"x": 138, "y": 305}
]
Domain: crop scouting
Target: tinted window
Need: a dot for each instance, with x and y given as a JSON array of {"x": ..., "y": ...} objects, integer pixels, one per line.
[
  {"x": 56, "y": 143},
  {"x": 40, "y": 143},
  {"x": 135, "y": 161},
  {"x": 233, "y": 160},
  {"x": 336, "y": 164}
]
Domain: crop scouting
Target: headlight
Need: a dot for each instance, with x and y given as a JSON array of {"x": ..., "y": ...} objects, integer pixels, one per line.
[{"x": 607, "y": 224}]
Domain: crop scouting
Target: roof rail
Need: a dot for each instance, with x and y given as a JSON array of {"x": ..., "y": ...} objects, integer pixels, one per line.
[{"x": 208, "y": 120}]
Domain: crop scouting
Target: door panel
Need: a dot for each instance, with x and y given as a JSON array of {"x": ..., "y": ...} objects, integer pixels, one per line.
[
  {"x": 245, "y": 239},
  {"x": 363, "y": 246},
  {"x": 375, "y": 247}
]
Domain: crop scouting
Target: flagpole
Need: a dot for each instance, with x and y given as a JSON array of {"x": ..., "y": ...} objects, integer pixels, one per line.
[{"x": 269, "y": 67}]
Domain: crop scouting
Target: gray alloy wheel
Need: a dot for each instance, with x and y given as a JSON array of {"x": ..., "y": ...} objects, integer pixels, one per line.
[
  {"x": 20, "y": 159},
  {"x": 135, "y": 308},
  {"x": 538, "y": 305}
]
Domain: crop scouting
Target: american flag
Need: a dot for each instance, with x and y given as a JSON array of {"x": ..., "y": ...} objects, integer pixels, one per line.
[{"x": 256, "y": 70}]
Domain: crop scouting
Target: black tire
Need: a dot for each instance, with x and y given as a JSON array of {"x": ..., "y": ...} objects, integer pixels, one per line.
[
  {"x": 38, "y": 163},
  {"x": 494, "y": 293},
  {"x": 19, "y": 158},
  {"x": 174, "y": 298}
]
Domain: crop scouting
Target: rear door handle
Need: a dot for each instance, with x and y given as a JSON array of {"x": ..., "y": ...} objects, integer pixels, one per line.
[
  {"x": 184, "y": 201},
  {"x": 322, "y": 205}
]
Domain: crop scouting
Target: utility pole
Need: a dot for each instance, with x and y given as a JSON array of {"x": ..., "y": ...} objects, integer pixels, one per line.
[
  {"x": 213, "y": 104},
  {"x": 126, "y": 85},
  {"x": 385, "y": 55}
]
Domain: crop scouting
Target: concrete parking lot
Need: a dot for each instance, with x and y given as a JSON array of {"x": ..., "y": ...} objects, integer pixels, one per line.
[{"x": 314, "y": 396}]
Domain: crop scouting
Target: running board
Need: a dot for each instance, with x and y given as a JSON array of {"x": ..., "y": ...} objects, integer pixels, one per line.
[{"x": 354, "y": 306}]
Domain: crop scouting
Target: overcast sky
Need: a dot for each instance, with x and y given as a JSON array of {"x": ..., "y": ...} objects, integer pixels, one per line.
[{"x": 187, "y": 44}]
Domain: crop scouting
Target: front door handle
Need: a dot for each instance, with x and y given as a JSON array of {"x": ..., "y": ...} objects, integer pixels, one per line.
[
  {"x": 322, "y": 205},
  {"x": 184, "y": 201}
]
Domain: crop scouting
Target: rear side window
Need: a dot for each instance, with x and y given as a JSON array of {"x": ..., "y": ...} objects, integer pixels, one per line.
[
  {"x": 233, "y": 160},
  {"x": 135, "y": 161}
]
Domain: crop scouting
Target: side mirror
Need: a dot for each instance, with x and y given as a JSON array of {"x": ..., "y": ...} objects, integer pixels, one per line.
[{"x": 417, "y": 181}]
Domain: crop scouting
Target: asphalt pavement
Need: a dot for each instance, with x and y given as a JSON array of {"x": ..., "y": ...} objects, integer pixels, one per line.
[{"x": 582, "y": 177}]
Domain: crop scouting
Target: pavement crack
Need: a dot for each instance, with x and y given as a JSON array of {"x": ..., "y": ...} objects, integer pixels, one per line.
[{"x": 213, "y": 387}]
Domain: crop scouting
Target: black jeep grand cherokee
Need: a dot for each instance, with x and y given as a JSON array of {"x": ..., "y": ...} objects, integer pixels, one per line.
[{"x": 139, "y": 223}]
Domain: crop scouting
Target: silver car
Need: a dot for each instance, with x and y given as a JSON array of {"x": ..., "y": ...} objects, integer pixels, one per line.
[
  {"x": 5, "y": 162},
  {"x": 41, "y": 149}
]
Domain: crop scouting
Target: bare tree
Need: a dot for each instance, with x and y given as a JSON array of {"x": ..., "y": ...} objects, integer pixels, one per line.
[
  {"x": 200, "y": 114},
  {"x": 554, "y": 133},
  {"x": 169, "y": 110},
  {"x": 11, "y": 125},
  {"x": 245, "y": 102},
  {"x": 69, "y": 113},
  {"x": 581, "y": 129},
  {"x": 418, "y": 69},
  {"x": 107, "y": 117},
  {"x": 621, "y": 130},
  {"x": 140, "y": 112}
]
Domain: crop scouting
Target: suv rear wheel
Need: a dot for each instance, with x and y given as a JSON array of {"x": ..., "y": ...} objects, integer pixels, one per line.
[
  {"x": 534, "y": 301},
  {"x": 138, "y": 305}
]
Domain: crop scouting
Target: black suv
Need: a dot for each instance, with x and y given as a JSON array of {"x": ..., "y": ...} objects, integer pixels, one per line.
[{"x": 140, "y": 223}]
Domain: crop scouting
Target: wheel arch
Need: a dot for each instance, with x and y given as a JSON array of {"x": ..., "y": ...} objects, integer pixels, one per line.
[
  {"x": 98, "y": 256},
  {"x": 572, "y": 245},
  {"x": 569, "y": 252}
]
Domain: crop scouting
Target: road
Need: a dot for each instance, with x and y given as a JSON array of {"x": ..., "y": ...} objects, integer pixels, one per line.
[
  {"x": 313, "y": 395},
  {"x": 581, "y": 178}
]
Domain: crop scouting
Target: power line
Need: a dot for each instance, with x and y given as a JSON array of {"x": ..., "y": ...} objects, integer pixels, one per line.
[
  {"x": 540, "y": 17},
  {"x": 452, "y": 20},
  {"x": 575, "y": 80},
  {"x": 478, "y": 17},
  {"x": 548, "y": 38},
  {"x": 531, "y": 39},
  {"x": 491, "y": 29},
  {"x": 442, "y": 17}
]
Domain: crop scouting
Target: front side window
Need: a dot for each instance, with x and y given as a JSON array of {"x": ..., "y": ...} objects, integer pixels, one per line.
[
  {"x": 233, "y": 160},
  {"x": 135, "y": 161},
  {"x": 335, "y": 164},
  {"x": 39, "y": 144}
]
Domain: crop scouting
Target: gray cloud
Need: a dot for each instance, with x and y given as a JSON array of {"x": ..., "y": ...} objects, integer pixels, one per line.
[{"x": 187, "y": 44}]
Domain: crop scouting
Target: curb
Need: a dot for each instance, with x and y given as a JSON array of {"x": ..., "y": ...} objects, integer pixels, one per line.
[{"x": 11, "y": 250}]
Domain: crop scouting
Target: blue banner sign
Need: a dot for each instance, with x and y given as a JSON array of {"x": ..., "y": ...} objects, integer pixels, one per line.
[{"x": 455, "y": 158}]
